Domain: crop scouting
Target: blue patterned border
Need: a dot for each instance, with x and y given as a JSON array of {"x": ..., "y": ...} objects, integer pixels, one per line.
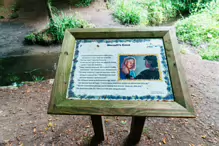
[{"x": 169, "y": 97}]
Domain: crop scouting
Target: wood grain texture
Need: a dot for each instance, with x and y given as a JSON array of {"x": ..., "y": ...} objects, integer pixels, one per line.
[
  {"x": 177, "y": 73},
  {"x": 107, "y": 33},
  {"x": 60, "y": 85},
  {"x": 182, "y": 107}
]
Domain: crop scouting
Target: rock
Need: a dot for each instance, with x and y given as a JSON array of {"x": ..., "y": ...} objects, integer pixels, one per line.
[{"x": 51, "y": 81}]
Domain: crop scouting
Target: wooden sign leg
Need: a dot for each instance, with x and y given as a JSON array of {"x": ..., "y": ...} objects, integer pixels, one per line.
[
  {"x": 136, "y": 131},
  {"x": 99, "y": 130}
]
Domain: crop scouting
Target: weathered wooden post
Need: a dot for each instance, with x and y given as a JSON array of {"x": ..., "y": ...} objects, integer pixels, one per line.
[{"x": 120, "y": 72}]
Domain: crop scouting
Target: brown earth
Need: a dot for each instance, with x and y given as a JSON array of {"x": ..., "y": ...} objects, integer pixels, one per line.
[
  {"x": 23, "y": 111},
  {"x": 24, "y": 118}
]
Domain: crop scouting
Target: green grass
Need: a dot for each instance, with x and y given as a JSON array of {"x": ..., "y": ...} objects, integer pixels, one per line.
[
  {"x": 126, "y": 13},
  {"x": 143, "y": 12},
  {"x": 202, "y": 28},
  {"x": 63, "y": 22},
  {"x": 153, "y": 12},
  {"x": 212, "y": 52},
  {"x": 37, "y": 78},
  {"x": 56, "y": 29},
  {"x": 84, "y": 3}
]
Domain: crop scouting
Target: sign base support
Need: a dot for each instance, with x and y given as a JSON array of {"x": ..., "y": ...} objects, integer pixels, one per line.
[
  {"x": 133, "y": 138},
  {"x": 137, "y": 126},
  {"x": 99, "y": 130}
]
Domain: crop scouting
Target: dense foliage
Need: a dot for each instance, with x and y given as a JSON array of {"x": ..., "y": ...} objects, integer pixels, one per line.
[
  {"x": 153, "y": 12},
  {"x": 202, "y": 28},
  {"x": 56, "y": 30},
  {"x": 84, "y": 3},
  {"x": 127, "y": 14},
  {"x": 185, "y": 6}
]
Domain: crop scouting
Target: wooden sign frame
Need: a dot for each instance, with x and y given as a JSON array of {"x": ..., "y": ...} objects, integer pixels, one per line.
[{"x": 181, "y": 107}]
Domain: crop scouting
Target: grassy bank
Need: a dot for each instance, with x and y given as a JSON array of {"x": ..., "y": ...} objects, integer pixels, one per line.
[
  {"x": 143, "y": 12},
  {"x": 152, "y": 12},
  {"x": 201, "y": 29}
]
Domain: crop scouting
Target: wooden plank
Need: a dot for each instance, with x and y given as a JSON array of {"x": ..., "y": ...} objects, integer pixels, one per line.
[
  {"x": 60, "y": 85},
  {"x": 113, "y": 33},
  {"x": 179, "y": 84},
  {"x": 99, "y": 130},
  {"x": 136, "y": 131},
  {"x": 136, "y": 108}
]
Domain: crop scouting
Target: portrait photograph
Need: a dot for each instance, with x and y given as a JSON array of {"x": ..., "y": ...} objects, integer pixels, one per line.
[{"x": 139, "y": 67}]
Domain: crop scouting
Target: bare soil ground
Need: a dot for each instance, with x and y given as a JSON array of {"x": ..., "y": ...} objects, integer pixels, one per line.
[
  {"x": 24, "y": 118},
  {"x": 23, "y": 111}
]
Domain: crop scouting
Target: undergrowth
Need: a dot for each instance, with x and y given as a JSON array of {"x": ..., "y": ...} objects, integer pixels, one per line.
[
  {"x": 202, "y": 29},
  {"x": 153, "y": 12},
  {"x": 82, "y": 3},
  {"x": 190, "y": 6},
  {"x": 127, "y": 13},
  {"x": 143, "y": 12},
  {"x": 56, "y": 29}
]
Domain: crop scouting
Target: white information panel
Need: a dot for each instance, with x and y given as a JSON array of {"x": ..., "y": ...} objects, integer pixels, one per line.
[{"x": 120, "y": 69}]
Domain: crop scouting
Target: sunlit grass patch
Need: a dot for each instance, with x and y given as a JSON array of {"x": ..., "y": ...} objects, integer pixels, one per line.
[{"x": 202, "y": 28}]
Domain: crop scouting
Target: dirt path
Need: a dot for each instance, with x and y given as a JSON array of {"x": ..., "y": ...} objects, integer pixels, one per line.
[
  {"x": 23, "y": 112},
  {"x": 24, "y": 119},
  {"x": 97, "y": 14}
]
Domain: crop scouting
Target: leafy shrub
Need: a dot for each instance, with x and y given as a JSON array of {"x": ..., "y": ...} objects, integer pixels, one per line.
[
  {"x": 14, "y": 15},
  {"x": 61, "y": 23},
  {"x": 154, "y": 12},
  {"x": 195, "y": 31},
  {"x": 2, "y": 17},
  {"x": 127, "y": 14},
  {"x": 145, "y": 12},
  {"x": 158, "y": 11},
  {"x": 84, "y": 3},
  {"x": 45, "y": 38},
  {"x": 186, "y": 6},
  {"x": 14, "y": 7},
  {"x": 30, "y": 39},
  {"x": 56, "y": 30}
]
